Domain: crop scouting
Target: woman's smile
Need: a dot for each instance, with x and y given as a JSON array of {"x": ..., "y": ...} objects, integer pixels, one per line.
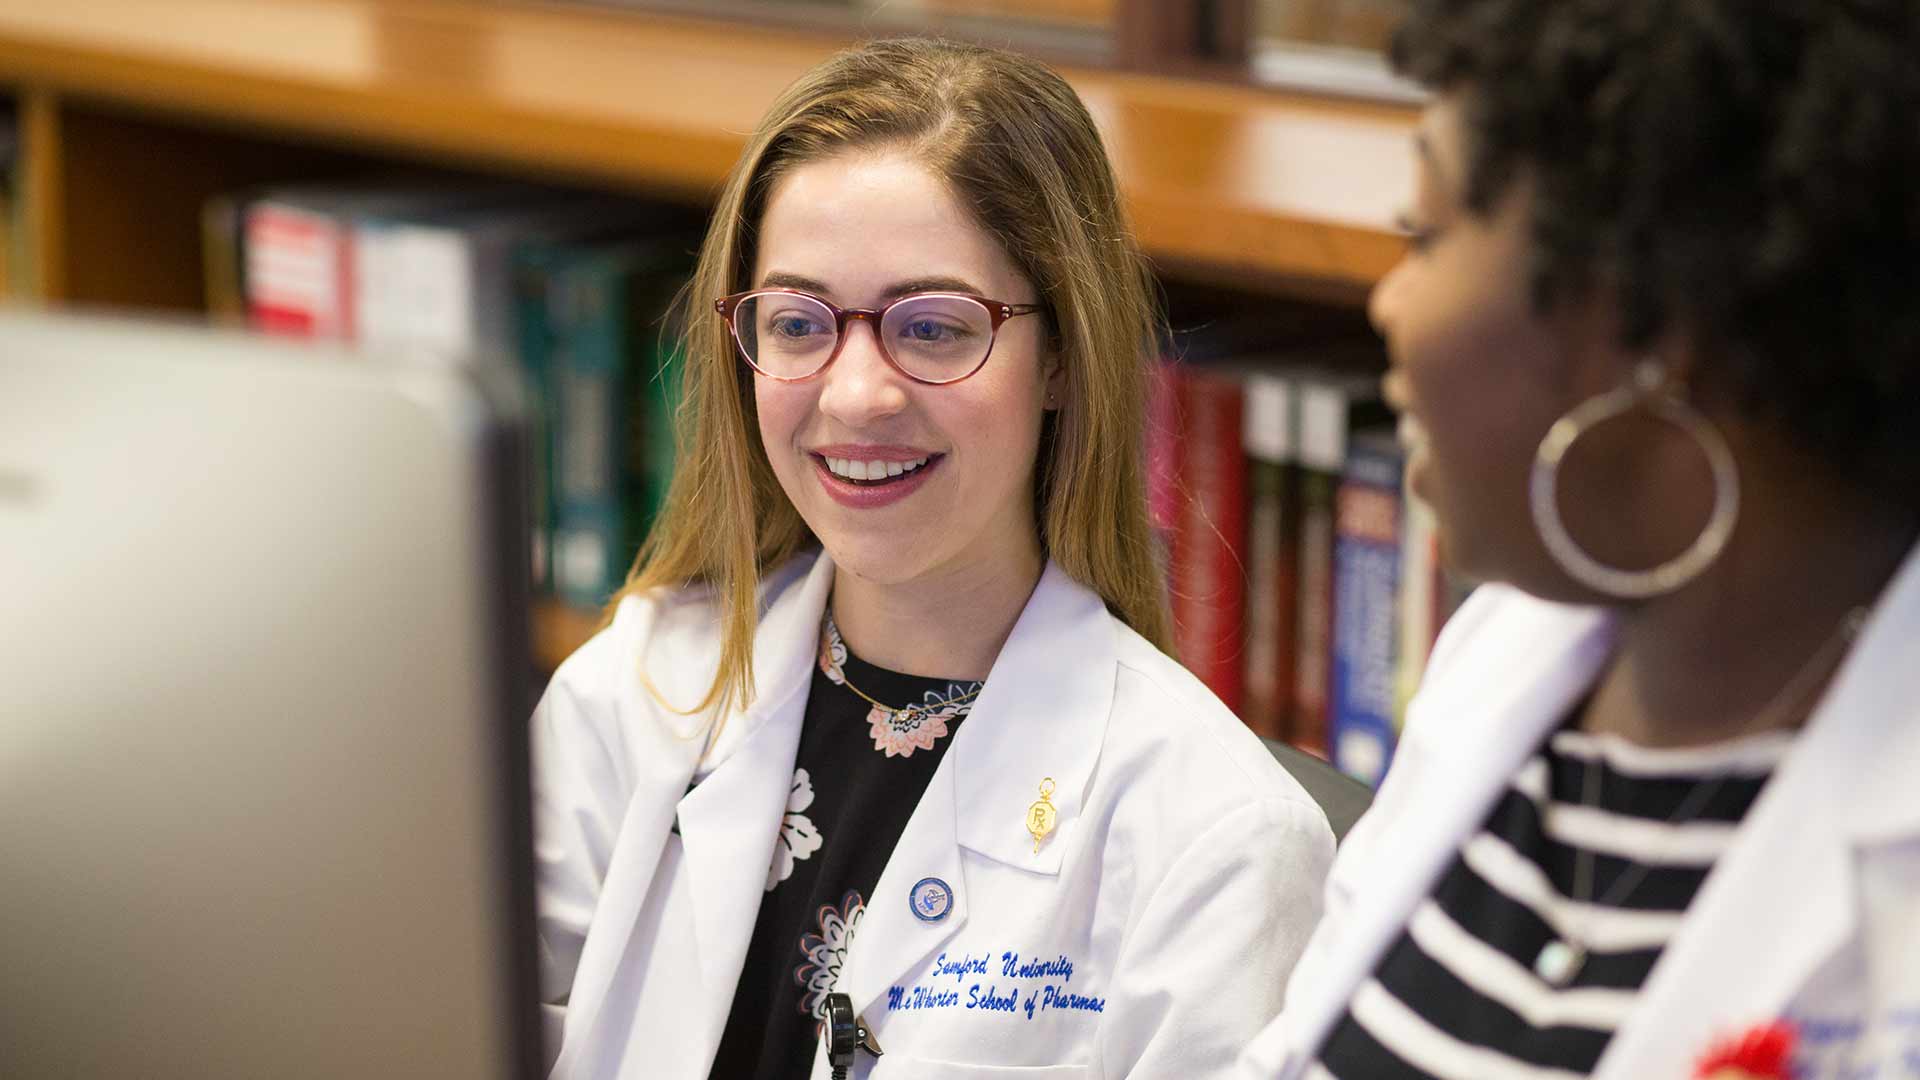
[
  {"x": 868, "y": 478},
  {"x": 1412, "y": 435}
]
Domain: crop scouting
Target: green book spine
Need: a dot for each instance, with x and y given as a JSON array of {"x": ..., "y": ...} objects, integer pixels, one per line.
[{"x": 613, "y": 393}]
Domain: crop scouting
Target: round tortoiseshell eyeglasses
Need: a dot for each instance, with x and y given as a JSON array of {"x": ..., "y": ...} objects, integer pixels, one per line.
[{"x": 931, "y": 337}]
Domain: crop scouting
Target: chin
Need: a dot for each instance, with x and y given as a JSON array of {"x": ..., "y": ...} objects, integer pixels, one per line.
[
  {"x": 1471, "y": 557},
  {"x": 876, "y": 563}
]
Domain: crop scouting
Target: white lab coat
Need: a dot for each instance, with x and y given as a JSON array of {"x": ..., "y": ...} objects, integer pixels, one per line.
[
  {"x": 1181, "y": 881},
  {"x": 1812, "y": 915}
]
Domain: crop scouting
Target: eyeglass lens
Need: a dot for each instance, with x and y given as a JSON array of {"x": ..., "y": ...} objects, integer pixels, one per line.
[{"x": 935, "y": 338}]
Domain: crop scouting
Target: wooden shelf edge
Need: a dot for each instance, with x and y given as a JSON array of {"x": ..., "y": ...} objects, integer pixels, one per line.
[
  {"x": 559, "y": 629},
  {"x": 1226, "y": 175}
]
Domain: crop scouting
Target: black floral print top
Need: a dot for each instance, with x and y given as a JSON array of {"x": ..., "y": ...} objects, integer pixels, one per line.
[{"x": 859, "y": 774}]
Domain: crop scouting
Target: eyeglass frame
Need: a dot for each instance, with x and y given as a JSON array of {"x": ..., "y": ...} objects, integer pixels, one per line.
[{"x": 998, "y": 311}]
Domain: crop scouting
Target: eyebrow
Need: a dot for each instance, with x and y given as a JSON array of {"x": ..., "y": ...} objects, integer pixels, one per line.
[{"x": 780, "y": 279}]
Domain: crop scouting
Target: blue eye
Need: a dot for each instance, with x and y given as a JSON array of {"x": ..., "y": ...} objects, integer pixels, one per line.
[
  {"x": 793, "y": 326},
  {"x": 930, "y": 332}
]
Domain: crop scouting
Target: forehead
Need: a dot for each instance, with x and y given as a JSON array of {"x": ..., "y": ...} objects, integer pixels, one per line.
[{"x": 863, "y": 221}]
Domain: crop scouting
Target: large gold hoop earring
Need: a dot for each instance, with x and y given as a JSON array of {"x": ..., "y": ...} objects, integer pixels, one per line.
[{"x": 1647, "y": 389}]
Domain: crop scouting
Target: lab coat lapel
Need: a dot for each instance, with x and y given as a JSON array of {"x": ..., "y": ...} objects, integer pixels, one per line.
[
  {"x": 1784, "y": 897},
  {"x": 731, "y": 820},
  {"x": 892, "y": 938},
  {"x": 1467, "y": 734},
  {"x": 666, "y": 763},
  {"x": 1043, "y": 713}
]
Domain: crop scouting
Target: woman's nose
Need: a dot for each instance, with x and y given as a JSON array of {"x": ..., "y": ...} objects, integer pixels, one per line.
[
  {"x": 860, "y": 385},
  {"x": 1383, "y": 301}
]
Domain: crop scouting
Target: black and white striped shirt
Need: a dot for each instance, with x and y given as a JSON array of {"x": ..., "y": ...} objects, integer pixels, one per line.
[{"x": 1456, "y": 996}]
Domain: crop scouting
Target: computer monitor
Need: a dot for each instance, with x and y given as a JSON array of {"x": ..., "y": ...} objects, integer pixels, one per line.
[{"x": 263, "y": 696}]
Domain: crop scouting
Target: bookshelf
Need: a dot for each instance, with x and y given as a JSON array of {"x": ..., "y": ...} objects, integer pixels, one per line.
[{"x": 131, "y": 114}]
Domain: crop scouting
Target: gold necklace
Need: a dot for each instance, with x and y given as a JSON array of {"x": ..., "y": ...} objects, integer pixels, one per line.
[
  {"x": 830, "y": 633},
  {"x": 906, "y": 711}
]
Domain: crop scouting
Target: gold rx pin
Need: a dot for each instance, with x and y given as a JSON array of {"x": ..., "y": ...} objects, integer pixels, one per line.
[{"x": 1041, "y": 816}]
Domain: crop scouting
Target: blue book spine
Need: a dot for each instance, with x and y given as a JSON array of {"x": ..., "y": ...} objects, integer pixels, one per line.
[{"x": 1366, "y": 569}]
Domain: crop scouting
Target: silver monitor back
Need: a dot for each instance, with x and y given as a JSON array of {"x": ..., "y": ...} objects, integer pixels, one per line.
[{"x": 263, "y": 786}]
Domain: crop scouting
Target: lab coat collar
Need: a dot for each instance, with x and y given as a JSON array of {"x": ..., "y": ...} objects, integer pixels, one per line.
[
  {"x": 1784, "y": 897},
  {"x": 1468, "y": 731},
  {"x": 1043, "y": 713},
  {"x": 786, "y": 642},
  {"x": 731, "y": 819}
]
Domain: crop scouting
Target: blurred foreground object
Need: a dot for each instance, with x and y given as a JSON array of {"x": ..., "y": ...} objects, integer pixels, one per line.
[{"x": 262, "y": 755}]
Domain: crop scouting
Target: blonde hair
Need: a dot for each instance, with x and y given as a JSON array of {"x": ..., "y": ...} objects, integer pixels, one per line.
[{"x": 1018, "y": 148}]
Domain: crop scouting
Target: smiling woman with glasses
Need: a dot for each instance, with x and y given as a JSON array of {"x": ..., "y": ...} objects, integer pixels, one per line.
[{"x": 879, "y": 768}]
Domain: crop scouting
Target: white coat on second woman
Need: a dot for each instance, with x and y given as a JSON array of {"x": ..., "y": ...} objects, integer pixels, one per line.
[
  {"x": 1171, "y": 900},
  {"x": 1812, "y": 916}
]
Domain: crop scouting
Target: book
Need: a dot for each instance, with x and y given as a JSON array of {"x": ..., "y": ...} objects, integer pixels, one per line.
[
  {"x": 297, "y": 261},
  {"x": 1209, "y": 536},
  {"x": 1430, "y": 593},
  {"x": 440, "y": 276},
  {"x": 1367, "y": 559},
  {"x": 1331, "y": 405},
  {"x": 299, "y": 269},
  {"x": 610, "y": 376},
  {"x": 443, "y": 278},
  {"x": 1268, "y": 435}
]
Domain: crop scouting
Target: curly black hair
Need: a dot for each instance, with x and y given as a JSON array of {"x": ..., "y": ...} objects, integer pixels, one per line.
[{"x": 1747, "y": 170}]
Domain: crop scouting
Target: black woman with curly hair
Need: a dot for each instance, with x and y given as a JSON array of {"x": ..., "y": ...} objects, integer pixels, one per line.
[{"x": 1656, "y": 347}]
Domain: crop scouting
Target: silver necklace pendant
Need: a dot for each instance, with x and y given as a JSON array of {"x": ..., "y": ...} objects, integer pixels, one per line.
[{"x": 1559, "y": 963}]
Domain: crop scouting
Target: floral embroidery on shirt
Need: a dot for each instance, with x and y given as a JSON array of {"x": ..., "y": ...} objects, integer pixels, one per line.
[
  {"x": 799, "y": 837},
  {"x": 833, "y": 654},
  {"x": 826, "y": 953},
  {"x": 899, "y": 732}
]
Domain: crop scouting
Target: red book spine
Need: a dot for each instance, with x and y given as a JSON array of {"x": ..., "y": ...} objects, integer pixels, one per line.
[
  {"x": 1273, "y": 575},
  {"x": 1313, "y": 672},
  {"x": 1209, "y": 538},
  {"x": 296, "y": 267}
]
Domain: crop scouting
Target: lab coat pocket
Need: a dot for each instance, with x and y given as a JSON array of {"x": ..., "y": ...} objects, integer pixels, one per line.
[{"x": 899, "y": 1067}]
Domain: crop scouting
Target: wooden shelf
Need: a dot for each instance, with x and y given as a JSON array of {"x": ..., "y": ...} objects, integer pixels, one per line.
[
  {"x": 559, "y": 629},
  {"x": 134, "y": 112},
  {"x": 1229, "y": 179}
]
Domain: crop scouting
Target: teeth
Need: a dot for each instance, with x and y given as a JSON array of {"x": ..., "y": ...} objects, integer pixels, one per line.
[
  {"x": 871, "y": 470},
  {"x": 1410, "y": 432}
]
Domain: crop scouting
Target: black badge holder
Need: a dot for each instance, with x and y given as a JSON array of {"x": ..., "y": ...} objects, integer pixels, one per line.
[{"x": 846, "y": 1035}]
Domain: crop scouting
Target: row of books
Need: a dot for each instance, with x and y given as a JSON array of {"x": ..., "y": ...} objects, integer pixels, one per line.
[
  {"x": 571, "y": 288},
  {"x": 1306, "y": 587}
]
